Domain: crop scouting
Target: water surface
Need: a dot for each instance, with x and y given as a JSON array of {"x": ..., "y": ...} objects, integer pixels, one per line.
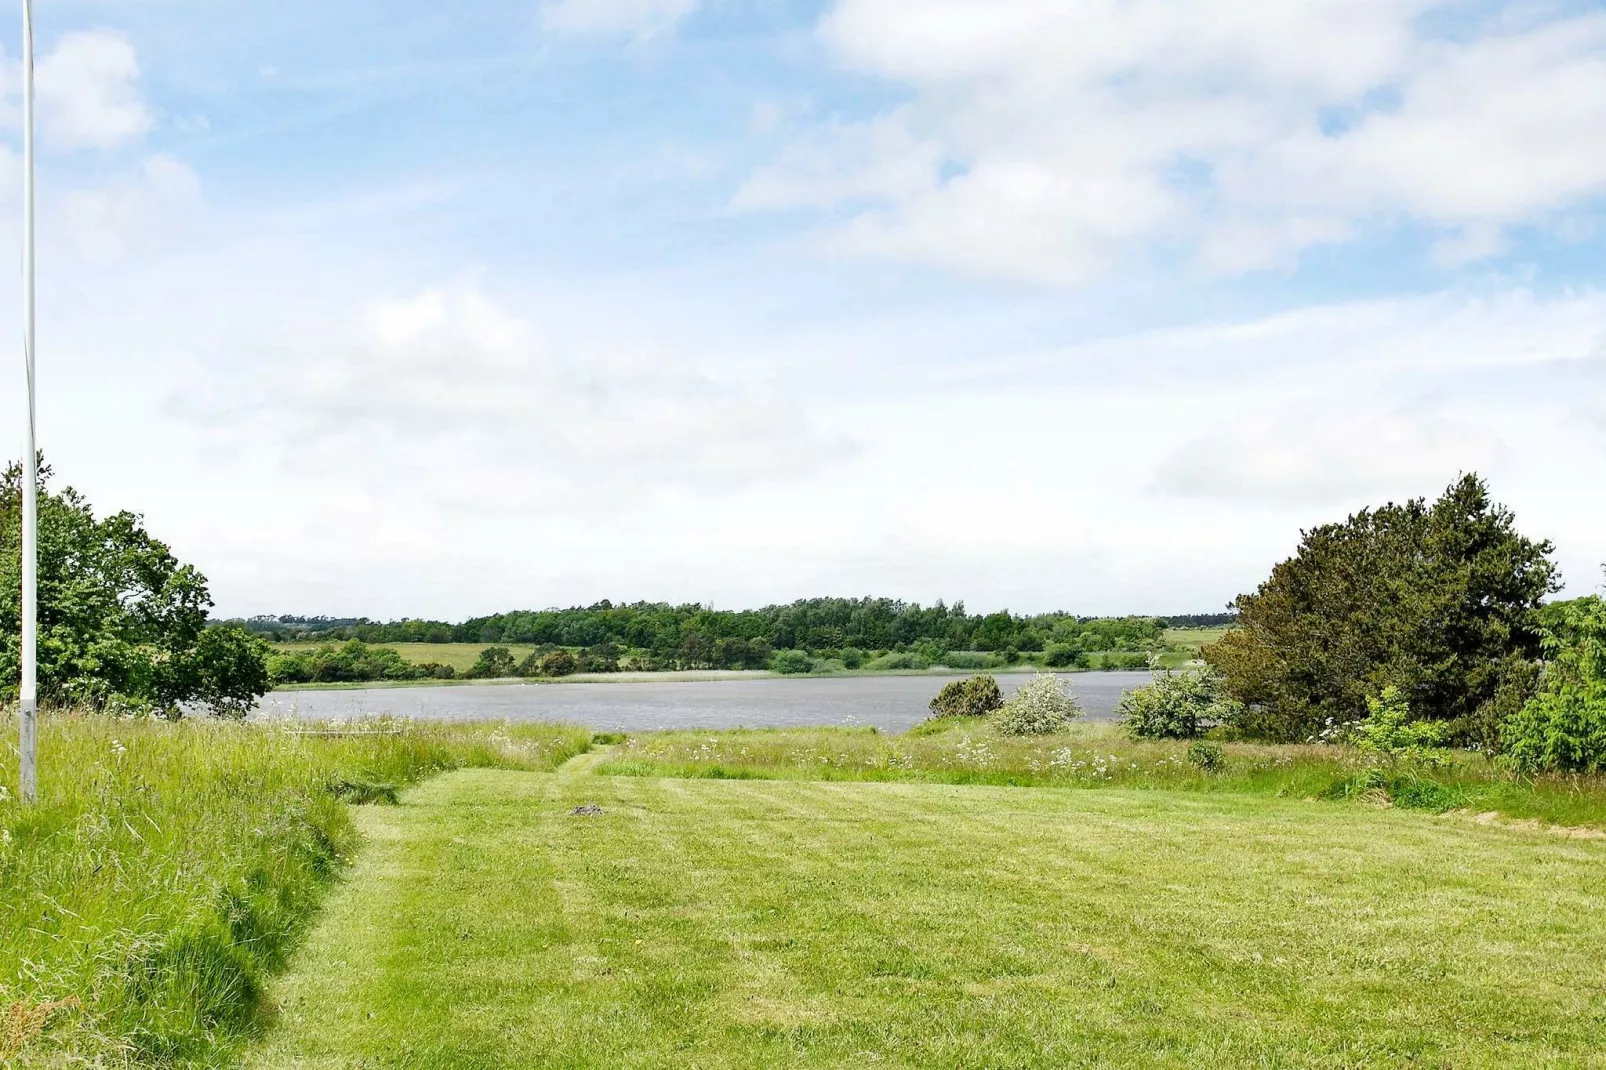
[{"x": 891, "y": 703}]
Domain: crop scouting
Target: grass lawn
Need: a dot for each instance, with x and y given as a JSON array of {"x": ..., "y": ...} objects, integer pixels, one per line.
[{"x": 757, "y": 923}]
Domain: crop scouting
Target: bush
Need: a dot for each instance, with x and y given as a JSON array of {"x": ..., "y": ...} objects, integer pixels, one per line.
[
  {"x": 559, "y": 663},
  {"x": 1563, "y": 727},
  {"x": 1041, "y": 705},
  {"x": 894, "y": 660},
  {"x": 975, "y": 697},
  {"x": 1207, "y": 757},
  {"x": 791, "y": 662},
  {"x": 970, "y": 660},
  {"x": 1389, "y": 730},
  {"x": 494, "y": 663},
  {"x": 853, "y": 657},
  {"x": 1175, "y": 706},
  {"x": 1064, "y": 656},
  {"x": 1117, "y": 662}
]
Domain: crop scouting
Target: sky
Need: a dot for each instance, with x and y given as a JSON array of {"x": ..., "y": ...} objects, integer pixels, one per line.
[{"x": 404, "y": 309}]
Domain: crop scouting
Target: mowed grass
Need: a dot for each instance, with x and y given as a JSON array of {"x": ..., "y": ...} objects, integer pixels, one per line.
[{"x": 707, "y": 923}]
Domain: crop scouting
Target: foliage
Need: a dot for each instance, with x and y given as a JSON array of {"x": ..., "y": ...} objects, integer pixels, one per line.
[
  {"x": 1039, "y": 706},
  {"x": 1389, "y": 730},
  {"x": 168, "y": 869},
  {"x": 694, "y": 636},
  {"x": 351, "y": 662},
  {"x": 1438, "y": 601},
  {"x": 1064, "y": 656},
  {"x": 1207, "y": 757},
  {"x": 1181, "y": 705},
  {"x": 790, "y": 662},
  {"x": 121, "y": 622},
  {"x": 559, "y": 663},
  {"x": 975, "y": 697},
  {"x": 893, "y": 662},
  {"x": 1563, "y": 727},
  {"x": 970, "y": 660},
  {"x": 494, "y": 663}
]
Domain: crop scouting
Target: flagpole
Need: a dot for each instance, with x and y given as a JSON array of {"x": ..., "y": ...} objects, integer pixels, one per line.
[{"x": 28, "y": 781}]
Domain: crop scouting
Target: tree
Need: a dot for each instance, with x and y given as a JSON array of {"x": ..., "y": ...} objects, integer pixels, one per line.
[
  {"x": 1564, "y": 725},
  {"x": 494, "y": 663},
  {"x": 1439, "y": 601},
  {"x": 121, "y": 622}
]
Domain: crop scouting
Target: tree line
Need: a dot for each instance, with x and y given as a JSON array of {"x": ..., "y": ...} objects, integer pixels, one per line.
[{"x": 813, "y": 624}]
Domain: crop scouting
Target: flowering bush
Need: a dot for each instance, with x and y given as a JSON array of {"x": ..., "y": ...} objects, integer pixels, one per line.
[
  {"x": 1040, "y": 706},
  {"x": 1175, "y": 706}
]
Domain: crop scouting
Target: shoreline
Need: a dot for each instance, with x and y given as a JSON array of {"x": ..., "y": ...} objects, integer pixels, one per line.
[{"x": 677, "y": 676}]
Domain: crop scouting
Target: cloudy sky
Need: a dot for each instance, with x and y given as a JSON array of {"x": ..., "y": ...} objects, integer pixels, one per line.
[{"x": 394, "y": 308}]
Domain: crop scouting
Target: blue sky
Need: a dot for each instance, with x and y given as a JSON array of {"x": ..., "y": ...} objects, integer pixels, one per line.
[{"x": 407, "y": 309}]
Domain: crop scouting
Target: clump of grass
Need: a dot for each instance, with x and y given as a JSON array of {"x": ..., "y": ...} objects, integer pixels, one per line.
[
  {"x": 168, "y": 868},
  {"x": 961, "y": 751}
]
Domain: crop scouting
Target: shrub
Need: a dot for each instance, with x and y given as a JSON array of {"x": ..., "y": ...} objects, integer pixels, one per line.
[
  {"x": 971, "y": 660},
  {"x": 1388, "y": 729},
  {"x": 1064, "y": 656},
  {"x": 791, "y": 662},
  {"x": 558, "y": 663},
  {"x": 853, "y": 657},
  {"x": 895, "y": 660},
  {"x": 494, "y": 663},
  {"x": 1041, "y": 705},
  {"x": 1206, "y": 756},
  {"x": 975, "y": 697},
  {"x": 1175, "y": 706},
  {"x": 1120, "y": 661},
  {"x": 1563, "y": 726}
]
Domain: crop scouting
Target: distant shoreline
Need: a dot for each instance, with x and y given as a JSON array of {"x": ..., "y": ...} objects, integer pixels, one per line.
[{"x": 677, "y": 676}]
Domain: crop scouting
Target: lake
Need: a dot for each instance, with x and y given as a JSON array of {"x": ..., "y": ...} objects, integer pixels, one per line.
[{"x": 891, "y": 703}]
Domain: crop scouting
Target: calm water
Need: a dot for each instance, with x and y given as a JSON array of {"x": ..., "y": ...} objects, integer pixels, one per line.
[{"x": 891, "y": 703}]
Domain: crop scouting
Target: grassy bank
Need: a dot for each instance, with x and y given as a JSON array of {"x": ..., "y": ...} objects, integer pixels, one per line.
[
  {"x": 168, "y": 868},
  {"x": 798, "y": 924},
  {"x": 1099, "y": 756}
]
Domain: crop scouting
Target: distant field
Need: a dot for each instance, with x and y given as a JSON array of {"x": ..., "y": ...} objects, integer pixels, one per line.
[
  {"x": 459, "y": 656},
  {"x": 1193, "y": 637}
]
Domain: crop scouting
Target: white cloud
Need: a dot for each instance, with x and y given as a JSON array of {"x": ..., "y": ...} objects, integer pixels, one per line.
[
  {"x": 88, "y": 92},
  {"x": 105, "y": 222},
  {"x": 1323, "y": 459},
  {"x": 640, "y": 19},
  {"x": 1046, "y": 141},
  {"x": 450, "y": 382}
]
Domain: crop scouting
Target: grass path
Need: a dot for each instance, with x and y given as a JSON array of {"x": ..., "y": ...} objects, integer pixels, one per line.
[{"x": 726, "y": 924}]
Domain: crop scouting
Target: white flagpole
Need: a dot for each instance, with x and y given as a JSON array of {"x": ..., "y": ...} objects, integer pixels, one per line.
[{"x": 29, "y": 705}]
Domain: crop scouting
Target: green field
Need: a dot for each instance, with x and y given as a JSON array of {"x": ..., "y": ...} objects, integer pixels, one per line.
[
  {"x": 460, "y": 656},
  {"x": 811, "y": 897},
  {"x": 716, "y": 923}
]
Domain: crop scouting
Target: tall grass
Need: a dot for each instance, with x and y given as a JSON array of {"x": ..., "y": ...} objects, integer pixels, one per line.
[
  {"x": 962, "y": 751},
  {"x": 168, "y": 868}
]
